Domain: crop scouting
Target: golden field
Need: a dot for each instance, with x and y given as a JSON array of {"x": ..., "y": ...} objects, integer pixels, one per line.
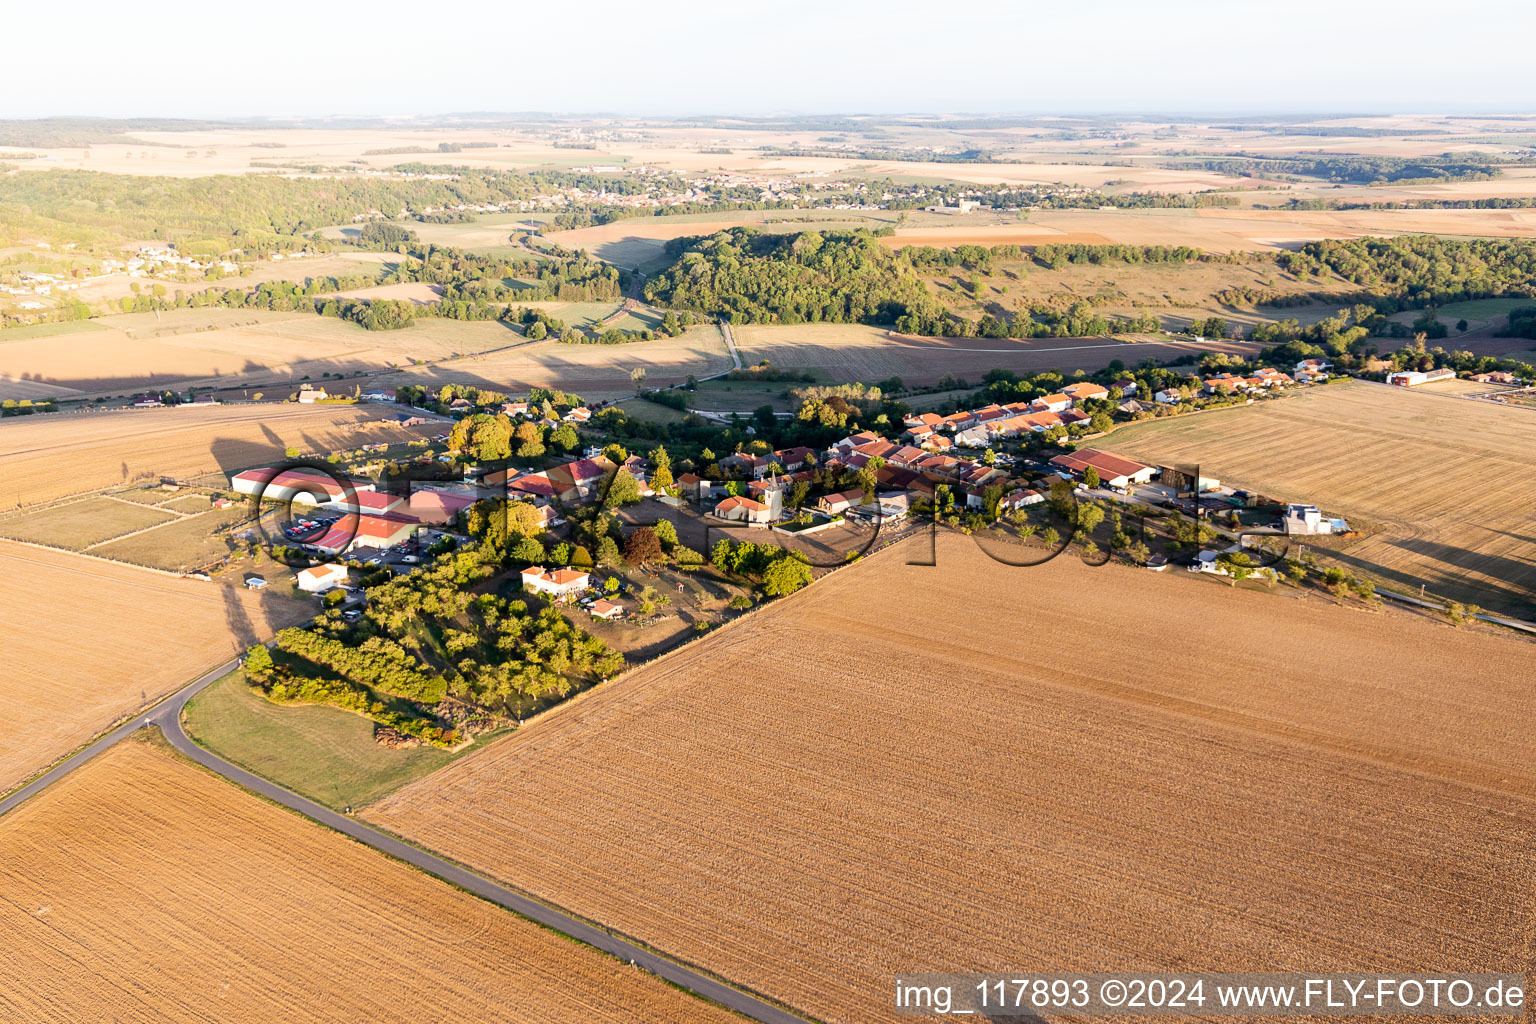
[
  {"x": 229, "y": 348},
  {"x": 47, "y": 457},
  {"x": 594, "y": 372},
  {"x": 143, "y": 890},
  {"x": 1439, "y": 485},
  {"x": 87, "y": 642},
  {"x": 853, "y": 352},
  {"x": 1096, "y": 768}
]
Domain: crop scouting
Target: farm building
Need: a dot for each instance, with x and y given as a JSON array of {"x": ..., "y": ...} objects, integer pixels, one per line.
[
  {"x": 835, "y": 503},
  {"x": 320, "y": 578},
  {"x": 310, "y": 395},
  {"x": 1308, "y": 519},
  {"x": 304, "y": 486},
  {"x": 364, "y": 531},
  {"x": 1113, "y": 470},
  {"x": 1413, "y": 378},
  {"x": 555, "y": 582},
  {"x": 368, "y": 502},
  {"x": 1187, "y": 480}
]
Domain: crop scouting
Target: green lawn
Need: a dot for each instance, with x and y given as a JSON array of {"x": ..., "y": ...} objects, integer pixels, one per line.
[
  {"x": 650, "y": 412},
  {"x": 323, "y": 753},
  {"x": 50, "y": 330},
  {"x": 743, "y": 396}
]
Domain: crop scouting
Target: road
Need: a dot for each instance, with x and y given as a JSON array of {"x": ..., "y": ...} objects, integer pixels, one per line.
[
  {"x": 167, "y": 715},
  {"x": 730, "y": 344}
]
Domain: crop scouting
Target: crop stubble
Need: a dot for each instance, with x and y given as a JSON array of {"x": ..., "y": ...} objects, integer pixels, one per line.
[{"x": 1096, "y": 769}]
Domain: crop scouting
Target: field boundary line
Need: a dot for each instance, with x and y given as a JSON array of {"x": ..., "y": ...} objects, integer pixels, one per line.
[
  {"x": 176, "y": 518},
  {"x": 99, "y": 558}
]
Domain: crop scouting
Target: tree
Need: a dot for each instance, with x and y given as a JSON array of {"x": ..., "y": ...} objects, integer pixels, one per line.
[
  {"x": 637, "y": 375},
  {"x": 258, "y": 662},
  {"x": 643, "y": 547},
  {"x": 291, "y": 452},
  {"x": 608, "y": 552},
  {"x": 623, "y": 490},
  {"x": 785, "y": 576},
  {"x": 565, "y": 438},
  {"x": 665, "y": 532},
  {"x": 1091, "y": 478}
]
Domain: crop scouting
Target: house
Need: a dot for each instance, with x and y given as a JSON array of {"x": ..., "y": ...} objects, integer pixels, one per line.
[
  {"x": 1052, "y": 403},
  {"x": 221, "y": 503},
  {"x": 606, "y": 609},
  {"x": 1084, "y": 391},
  {"x": 832, "y": 504},
  {"x": 148, "y": 402},
  {"x": 1132, "y": 407},
  {"x": 555, "y": 582},
  {"x": 1124, "y": 387},
  {"x": 1071, "y": 416},
  {"x": 1494, "y": 377},
  {"x": 320, "y": 578},
  {"x": 255, "y": 582},
  {"x": 460, "y": 405},
  {"x": 974, "y": 437},
  {"x": 853, "y": 441},
  {"x": 1307, "y": 519},
  {"x": 1224, "y": 383},
  {"x": 310, "y": 395},
  {"x": 379, "y": 395},
  {"x": 1114, "y": 471},
  {"x": 206, "y": 398},
  {"x": 514, "y": 409},
  {"x": 578, "y": 415},
  {"x": 1167, "y": 398},
  {"x": 692, "y": 486},
  {"x": 1313, "y": 366},
  {"x": 1021, "y": 498},
  {"x": 1413, "y": 378},
  {"x": 745, "y": 510}
]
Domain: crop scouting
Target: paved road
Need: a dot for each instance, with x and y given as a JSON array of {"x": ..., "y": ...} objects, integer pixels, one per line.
[{"x": 167, "y": 715}]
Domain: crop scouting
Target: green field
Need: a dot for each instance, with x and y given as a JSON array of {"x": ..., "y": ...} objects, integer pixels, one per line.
[
  {"x": 79, "y": 524},
  {"x": 1478, "y": 313},
  {"x": 323, "y": 753},
  {"x": 650, "y": 412},
  {"x": 50, "y": 330},
  {"x": 721, "y": 395}
]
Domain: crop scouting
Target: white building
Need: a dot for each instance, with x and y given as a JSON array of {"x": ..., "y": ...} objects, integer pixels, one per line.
[
  {"x": 320, "y": 578},
  {"x": 555, "y": 582},
  {"x": 1308, "y": 519}
]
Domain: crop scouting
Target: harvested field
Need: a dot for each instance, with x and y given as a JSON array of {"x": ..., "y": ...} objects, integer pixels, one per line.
[
  {"x": 812, "y": 802},
  {"x": 594, "y": 372},
  {"x": 1441, "y": 487},
  {"x": 47, "y": 457},
  {"x": 1462, "y": 388},
  {"x": 419, "y": 293},
  {"x": 1220, "y": 230},
  {"x": 87, "y": 642},
  {"x": 79, "y": 524},
  {"x": 851, "y": 352},
  {"x": 190, "y": 543},
  {"x": 229, "y": 348},
  {"x": 227, "y": 895}
]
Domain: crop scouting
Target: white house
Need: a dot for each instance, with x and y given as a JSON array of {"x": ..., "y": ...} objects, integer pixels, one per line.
[
  {"x": 744, "y": 510},
  {"x": 1166, "y": 398},
  {"x": 555, "y": 582},
  {"x": 309, "y": 395},
  {"x": 320, "y": 578},
  {"x": 1020, "y": 499}
]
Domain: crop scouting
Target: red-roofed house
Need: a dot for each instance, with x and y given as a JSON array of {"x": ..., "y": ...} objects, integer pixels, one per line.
[
  {"x": 363, "y": 531},
  {"x": 743, "y": 510},
  {"x": 1082, "y": 391},
  {"x": 832, "y": 504}
]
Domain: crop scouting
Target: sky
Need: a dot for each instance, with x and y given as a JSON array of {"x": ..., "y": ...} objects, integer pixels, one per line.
[{"x": 176, "y": 58}]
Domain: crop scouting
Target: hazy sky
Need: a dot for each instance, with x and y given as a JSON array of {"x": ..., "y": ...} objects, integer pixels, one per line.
[{"x": 281, "y": 57}]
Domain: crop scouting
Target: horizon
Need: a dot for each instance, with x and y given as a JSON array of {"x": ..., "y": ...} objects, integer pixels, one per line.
[{"x": 803, "y": 57}]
